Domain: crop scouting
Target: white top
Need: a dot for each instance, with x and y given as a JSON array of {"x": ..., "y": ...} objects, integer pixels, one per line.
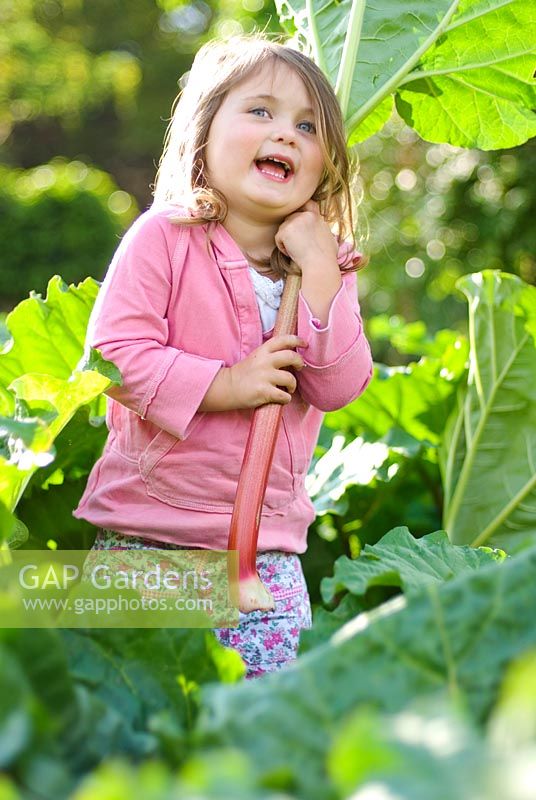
[{"x": 268, "y": 293}]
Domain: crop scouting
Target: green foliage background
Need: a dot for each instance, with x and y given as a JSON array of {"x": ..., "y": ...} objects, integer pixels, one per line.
[
  {"x": 93, "y": 82},
  {"x": 417, "y": 679}
]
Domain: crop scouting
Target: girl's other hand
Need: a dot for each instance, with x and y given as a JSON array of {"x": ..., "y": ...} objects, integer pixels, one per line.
[
  {"x": 260, "y": 378},
  {"x": 263, "y": 376},
  {"x": 306, "y": 238}
]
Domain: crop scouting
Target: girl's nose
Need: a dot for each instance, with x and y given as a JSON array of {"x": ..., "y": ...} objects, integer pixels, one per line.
[{"x": 283, "y": 133}]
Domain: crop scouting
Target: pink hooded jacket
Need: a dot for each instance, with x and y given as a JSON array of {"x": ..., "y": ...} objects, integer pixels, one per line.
[{"x": 171, "y": 312}]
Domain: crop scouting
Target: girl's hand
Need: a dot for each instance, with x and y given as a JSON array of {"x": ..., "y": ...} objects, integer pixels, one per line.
[
  {"x": 306, "y": 238},
  {"x": 256, "y": 379}
]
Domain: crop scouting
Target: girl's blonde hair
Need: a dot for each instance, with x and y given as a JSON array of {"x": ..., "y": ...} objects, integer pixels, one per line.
[{"x": 218, "y": 67}]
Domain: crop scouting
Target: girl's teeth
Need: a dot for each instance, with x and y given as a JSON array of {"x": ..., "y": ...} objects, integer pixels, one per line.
[
  {"x": 276, "y": 173},
  {"x": 274, "y": 169},
  {"x": 273, "y": 174}
]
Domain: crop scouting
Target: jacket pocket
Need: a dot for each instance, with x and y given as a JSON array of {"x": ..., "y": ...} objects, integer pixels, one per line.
[
  {"x": 132, "y": 435},
  {"x": 201, "y": 472}
]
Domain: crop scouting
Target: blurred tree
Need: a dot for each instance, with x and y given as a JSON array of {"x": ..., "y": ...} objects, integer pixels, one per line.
[
  {"x": 431, "y": 213},
  {"x": 94, "y": 80},
  {"x": 61, "y": 218}
]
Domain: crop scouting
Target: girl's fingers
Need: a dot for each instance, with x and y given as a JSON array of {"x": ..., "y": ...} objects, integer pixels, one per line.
[
  {"x": 281, "y": 246},
  {"x": 284, "y": 378},
  {"x": 285, "y": 343},
  {"x": 287, "y": 358},
  {"x": 281, "y": 397}
]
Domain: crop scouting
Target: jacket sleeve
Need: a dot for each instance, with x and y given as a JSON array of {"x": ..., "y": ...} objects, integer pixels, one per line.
[
  {"x": 129, "y": 326},
  {"x": 338, "y": 359}
]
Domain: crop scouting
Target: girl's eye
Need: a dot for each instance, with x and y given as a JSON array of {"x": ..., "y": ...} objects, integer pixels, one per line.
[
  {"x": 259, "y": 112},
  {"x": 309, "y": 127}
]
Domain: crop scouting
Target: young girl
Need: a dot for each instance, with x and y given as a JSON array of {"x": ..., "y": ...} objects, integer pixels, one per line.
[{"x": 255, "y": 172}]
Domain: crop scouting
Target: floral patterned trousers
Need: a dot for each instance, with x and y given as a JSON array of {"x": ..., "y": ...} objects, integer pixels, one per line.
[{"x": 266, "y": 640}]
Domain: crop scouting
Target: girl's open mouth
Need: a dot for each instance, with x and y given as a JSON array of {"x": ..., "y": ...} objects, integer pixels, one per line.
[{"x": 275, "y": 169}]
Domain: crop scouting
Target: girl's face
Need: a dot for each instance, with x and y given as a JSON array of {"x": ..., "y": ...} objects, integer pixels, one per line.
[{"x": 263, "y": 152}]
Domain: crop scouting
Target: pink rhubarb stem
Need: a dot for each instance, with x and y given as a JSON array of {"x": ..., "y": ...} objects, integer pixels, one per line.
[{"x": 244, "y": 532}]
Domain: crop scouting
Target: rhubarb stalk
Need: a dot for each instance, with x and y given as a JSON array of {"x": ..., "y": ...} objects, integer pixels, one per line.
[{"x": 245, "y": 521}]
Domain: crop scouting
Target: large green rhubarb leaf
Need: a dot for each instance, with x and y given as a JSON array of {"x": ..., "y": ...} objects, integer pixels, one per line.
[
  {"x": 70, "y": 699},
  {"x": 460, "y": 70},
  {"x": 399, "y": 559},
  {"x": 489, "y": 453},
  {"x": 428, "y": 753},
  {"x": 413, "y": 755},
  {"x": 475, "y": 87},
  {"x": 413, "y": 400},
  {"x": 149, "y": 678},
  {"x": 41, "y": 383},
  {"x": 456, "y": 639}
]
